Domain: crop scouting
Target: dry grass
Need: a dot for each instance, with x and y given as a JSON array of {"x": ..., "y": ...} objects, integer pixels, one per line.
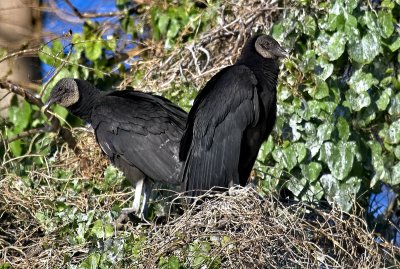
[
  {"x": 247, "y": 231},
  {"x": 240, "y": 230},
  {"x": 197, "y": 61}
]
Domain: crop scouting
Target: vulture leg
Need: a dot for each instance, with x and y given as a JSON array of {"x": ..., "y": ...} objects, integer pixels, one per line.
[
  {"x": 146, "y": 197},
  {"x": 136, "y": 201}
]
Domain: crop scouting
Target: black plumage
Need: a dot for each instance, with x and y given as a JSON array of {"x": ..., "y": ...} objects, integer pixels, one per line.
[
  {"x": 230, "y": 118},
  {"x": 139, "y": 132}
]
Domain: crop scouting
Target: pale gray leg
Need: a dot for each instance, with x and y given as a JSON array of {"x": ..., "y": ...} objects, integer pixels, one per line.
[
  {"x": 146, "y": 197},
  {"x": 136, "y": 200}
]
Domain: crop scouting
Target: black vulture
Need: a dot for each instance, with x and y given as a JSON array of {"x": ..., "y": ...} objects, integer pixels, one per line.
[
  {"x": 230, "y": 118},
  {"x": 139, "y": 132}
]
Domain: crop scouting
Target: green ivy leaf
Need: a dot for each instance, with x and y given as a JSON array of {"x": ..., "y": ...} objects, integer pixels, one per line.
[
  {"x": 300, "y": 150},
  {"x": 384, "y": 100},
  {"x": 20, "y": 116},
  {"x": 343, "y": 129},
  {"x": 266, "y": 148},
  {"x": 174, "y": 263},
  {"x": 162, "y": 24},
  {"x": 377, "y": 163},
  {"x": 296, "y": 186},
  {"x": 309, "y": 25},
  {"x": 57, "y": 48},
  {"x": 358, "y": 101},
  {"x": 314, "y": 192},
  {"x": 45, "y": 55},
  {"x": 393, "y": 136},
  {"x": 98, "y": 229},
  {"x": 351, "y": 30},
  {"x": 336, "y": 18},
  {"x": 324, "y": 131},
  {"x": 369, "y": 20},
  {"x": 339, "y": 157},
  {"x": 323, "y": 68},
  {"x": 110, "y": 44},
  {"x": 341, "y": 194},
  {"x": 362, "y": 82},
  {"x": 287, "y": 155},
  {"x": 395, "y": 45},
  {"x": 336, "y": 46},
  {"x": 93, "y": 49},
  {"x": 91, "y": 262},
  {"x": 278, "y": 31},
  {"x": 128, "y": 24},
  {"x": 394, "y": 108},
  {"x": 173, "y": 28},
  {"x": 321, "y": 90},
  {"x": 16, "y": 148},
  {"x": 365, "y": 50},
  {"x": 395, "y": 175},
  {"x": 350, "y": 5},
  {"x": 385, "y": 20},
  {"x": 311, "y": 171}
]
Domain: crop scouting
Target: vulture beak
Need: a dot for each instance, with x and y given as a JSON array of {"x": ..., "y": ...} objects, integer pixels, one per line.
[
  {"x": 281, "y": 53},
  {"x": 47, "y": 105}
]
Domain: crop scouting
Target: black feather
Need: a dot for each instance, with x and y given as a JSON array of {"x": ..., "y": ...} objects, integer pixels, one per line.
[{"x": 230, "y": 118}]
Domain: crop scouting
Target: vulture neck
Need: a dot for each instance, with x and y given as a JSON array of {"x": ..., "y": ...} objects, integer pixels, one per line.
[
  {"x": 88, "y": 96},
  {"x": 265, "y": 70}
]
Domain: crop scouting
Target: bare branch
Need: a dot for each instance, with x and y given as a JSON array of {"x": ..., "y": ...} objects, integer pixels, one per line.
[
  {"x": 88, "y": 15},
  {"x": 54, "y": 126}
]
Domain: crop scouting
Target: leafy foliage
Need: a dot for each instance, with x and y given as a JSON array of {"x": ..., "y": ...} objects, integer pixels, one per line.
[
  {"x": 337, "y": 133},
  {"x": 337, "y": 128}
]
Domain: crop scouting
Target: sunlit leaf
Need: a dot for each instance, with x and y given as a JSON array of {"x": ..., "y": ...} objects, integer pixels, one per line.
[
  {"x": 311, "y": 171},
  {"x": 361, "y": 82},
  {"x": 324, "y": 131},
  {"x": 323, "y": 68},
  {"x": 359, "y": 101},
  {"x": 394, "y": 132},
  {"x": 395, "y": 45},
  {"x": 162, "y": 24},
  {"x": 366, "y": 49},
  {"x": 384, "y": 100},
  {"x": 385, "y": 20},
  {"x": 394, "y": 107},
  {"x": 336, "y": 45},
  {"x": 93, "y": 49},
  {"x": 296, "y": 186},
  {"x": 395, "y": 175},
  {"x": 341, "y": 194},
  {"x": 339, "y": 157},
  {"x": 309, "y": 26},
  {"x": 98, "y": 229}
]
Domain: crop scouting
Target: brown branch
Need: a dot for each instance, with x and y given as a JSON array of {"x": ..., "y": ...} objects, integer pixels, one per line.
[
  {"x": 88, "y": 15},
  {"x": 40, "y": 130},
  {"x": 54, "y": 126},
  {"x": 30, "y": 52}
]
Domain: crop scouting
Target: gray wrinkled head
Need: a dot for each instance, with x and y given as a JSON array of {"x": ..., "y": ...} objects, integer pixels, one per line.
[
  {"x": 269, "y": 48},
  {"x": 64, "y": 93}
]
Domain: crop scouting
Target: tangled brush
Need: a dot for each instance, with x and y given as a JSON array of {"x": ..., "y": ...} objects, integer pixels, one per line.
[{"x": 244, "y": 230}]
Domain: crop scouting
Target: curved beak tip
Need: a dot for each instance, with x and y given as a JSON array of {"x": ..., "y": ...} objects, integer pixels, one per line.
[{"x": 44, "y": 107}]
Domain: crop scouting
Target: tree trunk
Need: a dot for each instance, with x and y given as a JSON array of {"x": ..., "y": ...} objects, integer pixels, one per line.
[{"x": 20, "y": 29}]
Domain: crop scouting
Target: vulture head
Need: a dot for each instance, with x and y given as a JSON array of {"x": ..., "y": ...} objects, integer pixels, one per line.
[{"x": 64, "y": 93}]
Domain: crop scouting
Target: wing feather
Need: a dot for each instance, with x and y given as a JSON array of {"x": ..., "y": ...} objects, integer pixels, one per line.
[
  {"x": 141, "y": 130},
  {"x": 212, "y": 141}
]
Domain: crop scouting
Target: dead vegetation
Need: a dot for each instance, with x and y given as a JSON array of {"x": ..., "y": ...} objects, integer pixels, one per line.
[
  {"x": 197, "y": 61},
  {"x": 236, "y": 230},
  {"x": 242, "y": 230}
]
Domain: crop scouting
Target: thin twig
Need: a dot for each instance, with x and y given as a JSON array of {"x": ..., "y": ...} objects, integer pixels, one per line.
[{"x": 54, "y": 126}]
